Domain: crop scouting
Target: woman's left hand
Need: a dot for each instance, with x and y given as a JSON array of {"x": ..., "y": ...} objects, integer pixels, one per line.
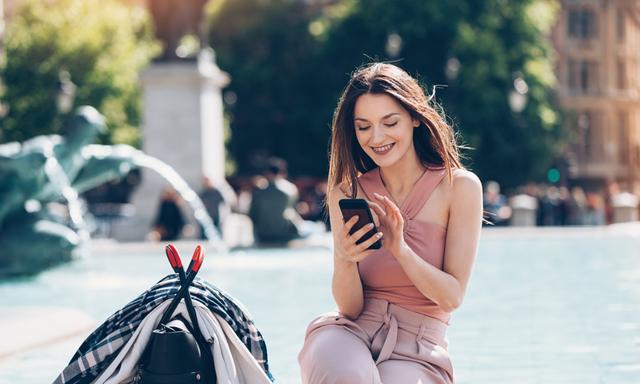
[{"x": 391, "y": 223}]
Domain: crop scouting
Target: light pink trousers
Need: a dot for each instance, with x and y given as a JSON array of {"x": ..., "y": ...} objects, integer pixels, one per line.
[{"x": 385, "y": 344}]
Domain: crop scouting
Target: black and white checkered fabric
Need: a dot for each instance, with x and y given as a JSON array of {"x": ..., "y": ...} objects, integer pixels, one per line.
[{"x": 102, "y": 346}]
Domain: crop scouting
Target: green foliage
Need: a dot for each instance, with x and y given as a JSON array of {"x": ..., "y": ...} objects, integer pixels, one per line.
[
  {"x": 103, "y": 44},
  {"x": 507, "y": 40},
  {"x": 289, "y": 63},
  {"x": 274, "y": 65}
]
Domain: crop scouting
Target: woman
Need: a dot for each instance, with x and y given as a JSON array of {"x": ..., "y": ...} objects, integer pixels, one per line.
[{"x": 391, "y": 147}]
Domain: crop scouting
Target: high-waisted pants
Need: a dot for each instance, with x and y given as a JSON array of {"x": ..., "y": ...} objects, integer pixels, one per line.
[{"x": 385, "y": 344}]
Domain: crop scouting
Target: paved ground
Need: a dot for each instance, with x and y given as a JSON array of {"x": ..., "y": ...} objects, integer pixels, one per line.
[{"x": 543, "y": 305}]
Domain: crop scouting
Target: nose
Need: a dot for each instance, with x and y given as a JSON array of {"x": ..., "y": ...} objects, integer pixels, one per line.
[{"x": 377, "y": 137}]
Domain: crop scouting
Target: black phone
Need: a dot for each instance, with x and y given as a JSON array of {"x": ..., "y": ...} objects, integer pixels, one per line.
[{"x": 360, "y": 207}]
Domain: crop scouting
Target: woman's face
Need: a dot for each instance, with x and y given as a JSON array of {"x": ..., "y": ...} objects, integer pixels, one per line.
[{"x": 384, "y": 129}]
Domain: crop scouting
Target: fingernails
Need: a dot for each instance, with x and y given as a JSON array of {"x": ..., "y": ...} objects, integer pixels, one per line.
[
  {"x": 379, "y": 235},
  {"x": 370, "y": 225}
]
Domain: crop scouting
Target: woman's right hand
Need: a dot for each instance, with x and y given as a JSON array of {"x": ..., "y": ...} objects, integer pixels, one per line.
[{"x": 348, "y": 250}]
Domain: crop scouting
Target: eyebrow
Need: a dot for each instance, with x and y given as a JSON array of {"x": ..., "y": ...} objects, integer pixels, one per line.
[{"x": 383, "y": 117}]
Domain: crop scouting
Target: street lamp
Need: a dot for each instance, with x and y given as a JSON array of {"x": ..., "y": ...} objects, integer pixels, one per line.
[
  {"x": 452, "y": 68},
  {"x": 393, "y": 45},
  {"x": 66, "y": 92},
  {"x": 518, "y": 95}
]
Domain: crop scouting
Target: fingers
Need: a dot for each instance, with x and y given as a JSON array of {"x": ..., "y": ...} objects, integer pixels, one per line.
[
  {"x": 377, "y": 209},
  {"x": 391, "y": 208},
  {"x": 361, "y": 256},
  {"x": 348, "y": 225},
  {"x": 361, "y": 232},
  {"x": 366, "y": 244},
  {"x": 385, "y": 201}
]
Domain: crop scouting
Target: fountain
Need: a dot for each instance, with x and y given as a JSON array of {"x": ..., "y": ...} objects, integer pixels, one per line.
[{"x": 49, "y": 169}]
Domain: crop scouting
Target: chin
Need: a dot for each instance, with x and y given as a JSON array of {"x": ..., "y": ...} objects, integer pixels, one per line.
[{"x": 385, "y": 162}]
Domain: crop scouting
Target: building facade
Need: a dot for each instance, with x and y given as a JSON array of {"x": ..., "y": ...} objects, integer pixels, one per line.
[{"x": 598, "y": 70}]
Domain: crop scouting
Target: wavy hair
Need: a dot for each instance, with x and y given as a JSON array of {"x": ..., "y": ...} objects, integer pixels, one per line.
[{"x": 434, "y": 139}]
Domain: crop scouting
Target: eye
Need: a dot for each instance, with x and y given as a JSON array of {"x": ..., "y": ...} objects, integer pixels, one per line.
[
  {"x": 363, "y": 128},
  {"x": 392, "y": 124}
]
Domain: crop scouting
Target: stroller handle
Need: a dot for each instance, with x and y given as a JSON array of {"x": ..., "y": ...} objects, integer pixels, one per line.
[
  {"x": 196, "y": 260},
  {"x": 174, "y": 257},
  {"x": 185, "y": 282}
]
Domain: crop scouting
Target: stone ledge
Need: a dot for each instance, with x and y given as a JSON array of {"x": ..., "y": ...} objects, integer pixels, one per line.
[{"x": 25, "y": 328}]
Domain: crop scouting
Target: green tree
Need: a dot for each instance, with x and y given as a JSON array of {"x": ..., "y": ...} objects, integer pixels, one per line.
[
  {"x": 103, "y": 44},
  {"x": 478, "y": 49},
  {"x": 290, "y": 61},
  {"x": 276, "y": 79},
  {"x": 505, "y": 48}
]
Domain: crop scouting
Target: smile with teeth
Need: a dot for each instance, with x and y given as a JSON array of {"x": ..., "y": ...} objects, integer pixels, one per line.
[{"x": 383, "y": 149}]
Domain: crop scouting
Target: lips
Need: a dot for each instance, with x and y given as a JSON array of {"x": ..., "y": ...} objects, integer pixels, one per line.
[{"x": 383, "y": 149}]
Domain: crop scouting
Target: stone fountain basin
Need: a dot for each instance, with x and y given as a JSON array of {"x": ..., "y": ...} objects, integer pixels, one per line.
[{"x": 553, "y": 305}]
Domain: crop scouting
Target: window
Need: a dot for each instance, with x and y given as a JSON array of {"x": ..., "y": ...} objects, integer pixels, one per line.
[
  {"x": 572, "y": 75},
  {"x": 623, "y": 140},
  {"x": 595, "y": 138},
  {"x": 583, "y": 75},
  {"x": 583, "y": 131},
  {"x": 621, "y": 74},
  {"x": 590, "y": 139},
  {"x": 620, "y": 25},
  {"x": 582, "y": 23}
]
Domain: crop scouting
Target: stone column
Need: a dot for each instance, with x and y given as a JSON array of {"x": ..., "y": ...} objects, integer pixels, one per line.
[{"x": 182, "y": 126}]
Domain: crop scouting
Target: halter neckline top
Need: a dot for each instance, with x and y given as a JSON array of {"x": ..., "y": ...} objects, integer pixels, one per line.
[{"x": 381, "y": 274}]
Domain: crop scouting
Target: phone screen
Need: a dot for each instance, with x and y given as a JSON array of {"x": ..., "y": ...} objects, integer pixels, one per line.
[{"x": 363, "y": 219}]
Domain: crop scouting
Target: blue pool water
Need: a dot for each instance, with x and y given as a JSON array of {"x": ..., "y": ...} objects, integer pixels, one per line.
[{"x": 543, "y": 306}]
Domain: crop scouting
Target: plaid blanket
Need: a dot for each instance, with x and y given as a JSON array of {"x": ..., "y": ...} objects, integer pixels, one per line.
[{"x": 103, "y": 345}]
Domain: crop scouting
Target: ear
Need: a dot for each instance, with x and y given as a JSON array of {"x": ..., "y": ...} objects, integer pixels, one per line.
[{"x": 415, "y": 122}]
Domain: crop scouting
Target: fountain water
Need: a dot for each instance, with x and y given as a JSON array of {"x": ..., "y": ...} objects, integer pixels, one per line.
[
  {"x": 122, "y": 158},
  {"x": 46, "y": 168},
  {"x": 59, "y": 178}
]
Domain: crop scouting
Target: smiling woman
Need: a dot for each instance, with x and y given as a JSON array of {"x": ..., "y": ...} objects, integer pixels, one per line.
[
  {"x": 379, "y": 135},
  {"x": 391, "y": 147}
]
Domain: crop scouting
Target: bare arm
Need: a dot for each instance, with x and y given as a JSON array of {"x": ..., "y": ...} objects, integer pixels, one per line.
[
  {"x": 346, "y": 284},
  {"x": 447, "y": 287}
]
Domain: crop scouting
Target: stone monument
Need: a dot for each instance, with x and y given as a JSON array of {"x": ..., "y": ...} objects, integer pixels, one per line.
[{"x": 182, "y": 112}]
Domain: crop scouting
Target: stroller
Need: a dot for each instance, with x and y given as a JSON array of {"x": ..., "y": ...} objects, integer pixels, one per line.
[{"x": 181, "y": 330}]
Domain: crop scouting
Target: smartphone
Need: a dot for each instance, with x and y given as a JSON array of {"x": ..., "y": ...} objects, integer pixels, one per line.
[{"x": 360, "y": 207}]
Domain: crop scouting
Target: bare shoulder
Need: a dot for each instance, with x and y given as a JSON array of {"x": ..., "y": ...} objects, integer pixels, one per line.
[
  {"x": 337, "y": 192},
  {"x": 466, "y": 183}
]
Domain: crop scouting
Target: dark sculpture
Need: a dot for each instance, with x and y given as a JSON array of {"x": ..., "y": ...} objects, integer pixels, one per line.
[
  {"x": 49, "y": 169},
  {"x": 45, "y": 170},
  {"x": 174, "y": 19}
]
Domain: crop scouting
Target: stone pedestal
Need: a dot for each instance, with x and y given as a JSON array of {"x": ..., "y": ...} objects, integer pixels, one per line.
[
  {"x": 523, "y": 208},
  {"x": 625, "y": 207},
  {"x": 182, "y": 126}
]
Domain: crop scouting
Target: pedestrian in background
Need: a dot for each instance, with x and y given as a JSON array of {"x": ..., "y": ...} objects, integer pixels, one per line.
[
  {"x": 218, "y": 201},
  {"x": 272, "y": 210},
  {"x": 169, "y": 221}
]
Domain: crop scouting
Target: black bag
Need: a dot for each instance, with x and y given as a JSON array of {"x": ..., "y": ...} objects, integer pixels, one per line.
[
  {"x": 173, "y": 356},
  {"x": 177, "y": 353}
]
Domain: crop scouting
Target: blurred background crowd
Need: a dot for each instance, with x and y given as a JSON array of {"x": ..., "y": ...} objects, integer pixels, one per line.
[{"x": 545, "y": 96}]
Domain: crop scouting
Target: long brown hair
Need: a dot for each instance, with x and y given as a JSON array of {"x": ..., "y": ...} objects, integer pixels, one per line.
[{"x": 434, "y": 140}]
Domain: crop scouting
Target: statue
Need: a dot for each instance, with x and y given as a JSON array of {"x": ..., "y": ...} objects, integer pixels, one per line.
[
  {"x": 44, "y": 170},
  {"x": 174, "y": 19},
  {"x": 54, "y": 168}
]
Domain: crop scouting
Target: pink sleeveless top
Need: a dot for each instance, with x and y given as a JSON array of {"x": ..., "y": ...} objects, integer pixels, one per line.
[{"x": 382, "y": 276}]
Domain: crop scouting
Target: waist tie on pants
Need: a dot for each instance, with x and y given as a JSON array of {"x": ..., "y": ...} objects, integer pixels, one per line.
[{"x": 386, "y": 337}]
